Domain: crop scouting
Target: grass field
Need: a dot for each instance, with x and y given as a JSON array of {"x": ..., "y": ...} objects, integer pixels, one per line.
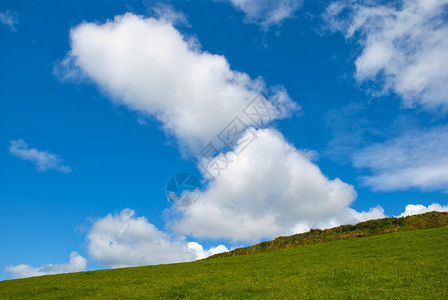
[{"x": 400, "y": 265}]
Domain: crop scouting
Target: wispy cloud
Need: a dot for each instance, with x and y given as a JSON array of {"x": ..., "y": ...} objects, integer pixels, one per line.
[
  {"x": 10, "y": 19},
  {"x": 417, "y": 158},
  {"x": 166, "y": 12},
  {"x": 43, "y": 160},
  {"x": 267, "y": 13},
  {"x": 77, "y": 263},
  {"x": 403, "y": 47}
]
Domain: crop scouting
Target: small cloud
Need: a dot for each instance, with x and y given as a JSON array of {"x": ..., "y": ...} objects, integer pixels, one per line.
[
  {"x": 42, "y": 159},
  {"x": 266, "y": 13},
  {"x": 65, "y": 70},
  {"x": 166, "y": 12},
  {"x": 10, "y": 19},
  {"x": 77, "y": 263},
  {"x": 417, "y": 209},
  {"x": 201, "y": 253}
]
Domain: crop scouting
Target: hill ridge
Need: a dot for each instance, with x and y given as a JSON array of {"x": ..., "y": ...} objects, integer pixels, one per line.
[{"x": 363, "y": 229}]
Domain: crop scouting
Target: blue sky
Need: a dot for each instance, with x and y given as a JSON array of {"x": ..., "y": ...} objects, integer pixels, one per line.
[{"x": 96, "y": 118}]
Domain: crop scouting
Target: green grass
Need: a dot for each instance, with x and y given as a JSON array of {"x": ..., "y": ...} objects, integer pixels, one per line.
[
  {"x": 399, "y": 265},
  {"x": 344, "y": 232}
]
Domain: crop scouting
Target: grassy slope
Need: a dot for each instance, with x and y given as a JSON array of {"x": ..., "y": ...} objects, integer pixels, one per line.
[
  {"x": 400, "y": 265},
  {"x": 344, "y": 232}
]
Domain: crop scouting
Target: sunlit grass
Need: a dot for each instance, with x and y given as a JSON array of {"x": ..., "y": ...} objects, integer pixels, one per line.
[{"x": 401, "y": 265}]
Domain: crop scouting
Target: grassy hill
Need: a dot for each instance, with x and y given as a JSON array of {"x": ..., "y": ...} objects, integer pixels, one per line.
[
  {"x": 401, "y": 265},
  {"x": 344, "y": 232}
]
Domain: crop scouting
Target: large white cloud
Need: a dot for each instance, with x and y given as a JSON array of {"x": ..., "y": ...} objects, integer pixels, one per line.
[
  {"x": 149, "y": 66},
  {"x": 77, "y": 263},
  {"x": 123, "y": 240},
  {"x": 403, "y": 46},
  {"x": 415, "y": 159},
  {"x": 267, "y": 12},
  {"x": 43, "y": 160},
  {"x": 271, "y": 189}
]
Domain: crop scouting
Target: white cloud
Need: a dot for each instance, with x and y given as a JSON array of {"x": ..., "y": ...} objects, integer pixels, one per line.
[
  {"x": 412, "y": 209},
  {"x": 200, "y": 253},
  {"x": 403, "y": 46},
  {"x": 77, "y": 263},
  {"x": 166, "y": 12},
  {"x": 417, "y": 158},
  {"x": 150, "y": 67},
  {"x": 272, "y": 189},
  {"x": 10, "y": 19},
  {"x": 267, "y": 12},
  {"x": 42, "y": 159},
  {"x": 123, "y": 240}
]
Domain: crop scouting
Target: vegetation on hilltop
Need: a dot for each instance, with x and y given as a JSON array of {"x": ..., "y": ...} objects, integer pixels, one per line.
[{"x": 364, "y": 229}]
